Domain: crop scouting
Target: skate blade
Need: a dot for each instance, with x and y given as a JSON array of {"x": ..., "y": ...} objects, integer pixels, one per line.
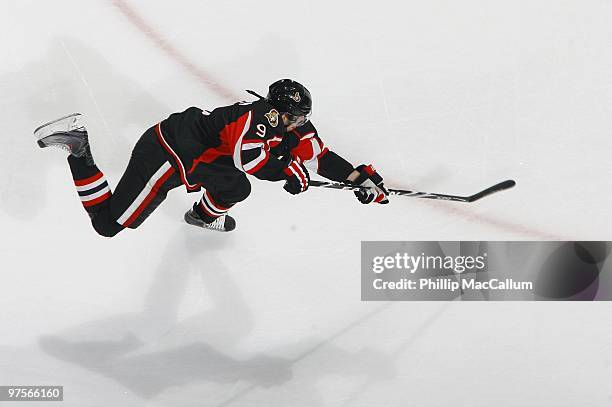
[
  {"x": 200, "y": 224},
  {"x": 42, "y": 126},
  {"x": 41, "y": 143}
]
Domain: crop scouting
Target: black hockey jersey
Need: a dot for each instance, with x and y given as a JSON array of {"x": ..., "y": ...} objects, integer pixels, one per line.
[{"x": 247, "y": 137}]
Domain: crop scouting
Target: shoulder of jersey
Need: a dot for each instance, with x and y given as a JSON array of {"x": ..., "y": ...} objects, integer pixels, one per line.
[
  {"x": 308, "y": 127},
  {"x": 264, "y": 112}
]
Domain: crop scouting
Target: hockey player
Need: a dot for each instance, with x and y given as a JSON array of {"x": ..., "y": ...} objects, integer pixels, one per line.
[{"x": 271, "y": 139}]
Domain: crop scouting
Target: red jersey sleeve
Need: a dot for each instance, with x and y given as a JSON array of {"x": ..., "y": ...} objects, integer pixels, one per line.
[{"x": 317, "y": 157}]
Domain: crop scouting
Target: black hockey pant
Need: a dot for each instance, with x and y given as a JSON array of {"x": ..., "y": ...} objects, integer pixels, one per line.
[{"x": 145, "y": 184}]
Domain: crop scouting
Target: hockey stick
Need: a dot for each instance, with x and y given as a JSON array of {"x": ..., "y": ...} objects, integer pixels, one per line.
[{"x": 428, "y": 195}]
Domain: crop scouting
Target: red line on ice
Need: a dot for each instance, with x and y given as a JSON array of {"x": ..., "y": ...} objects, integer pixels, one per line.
[
  {"x": 207, "y": 80},
  {"x": 500, "y": 224},
  {"x": 171, "y": 51}
]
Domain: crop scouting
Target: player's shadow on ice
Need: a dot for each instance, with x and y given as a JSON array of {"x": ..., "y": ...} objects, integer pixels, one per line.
[
  {"x": 70, "y": 77},
  {"x": 153, "y": 351},
  {"x": 149, "y": 374}
]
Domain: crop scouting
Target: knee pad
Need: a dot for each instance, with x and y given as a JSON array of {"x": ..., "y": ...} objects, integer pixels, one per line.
[
  {"x": 243, "y": 188},
  {"x": 232, "y": 189},
  {"x": 104, "y": 225}
]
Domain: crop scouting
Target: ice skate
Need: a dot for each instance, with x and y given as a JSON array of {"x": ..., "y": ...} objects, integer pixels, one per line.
[
  {"x": 223, "y": 223},
  {"x": 66, "y": 133}
]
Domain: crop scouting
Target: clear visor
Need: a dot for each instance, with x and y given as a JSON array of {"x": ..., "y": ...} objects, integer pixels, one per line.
[{"x": 298, "y": 120}]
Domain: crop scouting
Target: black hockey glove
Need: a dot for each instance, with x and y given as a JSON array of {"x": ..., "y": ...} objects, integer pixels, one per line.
[
  {"x": 297, "y": 178},
  {"x": 375, "y": 191},
  {"x": 283, "y": 150}
]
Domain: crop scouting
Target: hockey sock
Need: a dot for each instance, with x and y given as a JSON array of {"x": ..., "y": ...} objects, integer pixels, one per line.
[
  {"x": 209, "y": 209},
  {"x": 90, "y": 184}
]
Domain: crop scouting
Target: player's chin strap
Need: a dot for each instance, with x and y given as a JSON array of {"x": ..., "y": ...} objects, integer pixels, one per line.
[{"x": 252, "y": 92}]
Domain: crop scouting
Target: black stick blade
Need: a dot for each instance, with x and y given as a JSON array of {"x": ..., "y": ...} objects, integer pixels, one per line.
[{"x": 491, "y": 190}]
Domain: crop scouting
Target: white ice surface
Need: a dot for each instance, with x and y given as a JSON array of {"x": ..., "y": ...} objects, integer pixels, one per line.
[{"x": 446, "y": 96}]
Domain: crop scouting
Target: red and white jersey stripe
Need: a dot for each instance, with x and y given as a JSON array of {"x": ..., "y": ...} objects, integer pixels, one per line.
[
  {"x": 309, "y": 149},
  {"x": 147, "y": 194},
  {"x": 180, "y": 165},
  {"x": 93, "y": 190},
  {"x": 296, "y": 169}
]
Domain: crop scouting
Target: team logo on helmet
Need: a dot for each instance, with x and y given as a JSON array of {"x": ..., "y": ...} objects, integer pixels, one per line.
[
  {"x": 272, "y": 117},
  {"x": 296, "y": 97}
]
